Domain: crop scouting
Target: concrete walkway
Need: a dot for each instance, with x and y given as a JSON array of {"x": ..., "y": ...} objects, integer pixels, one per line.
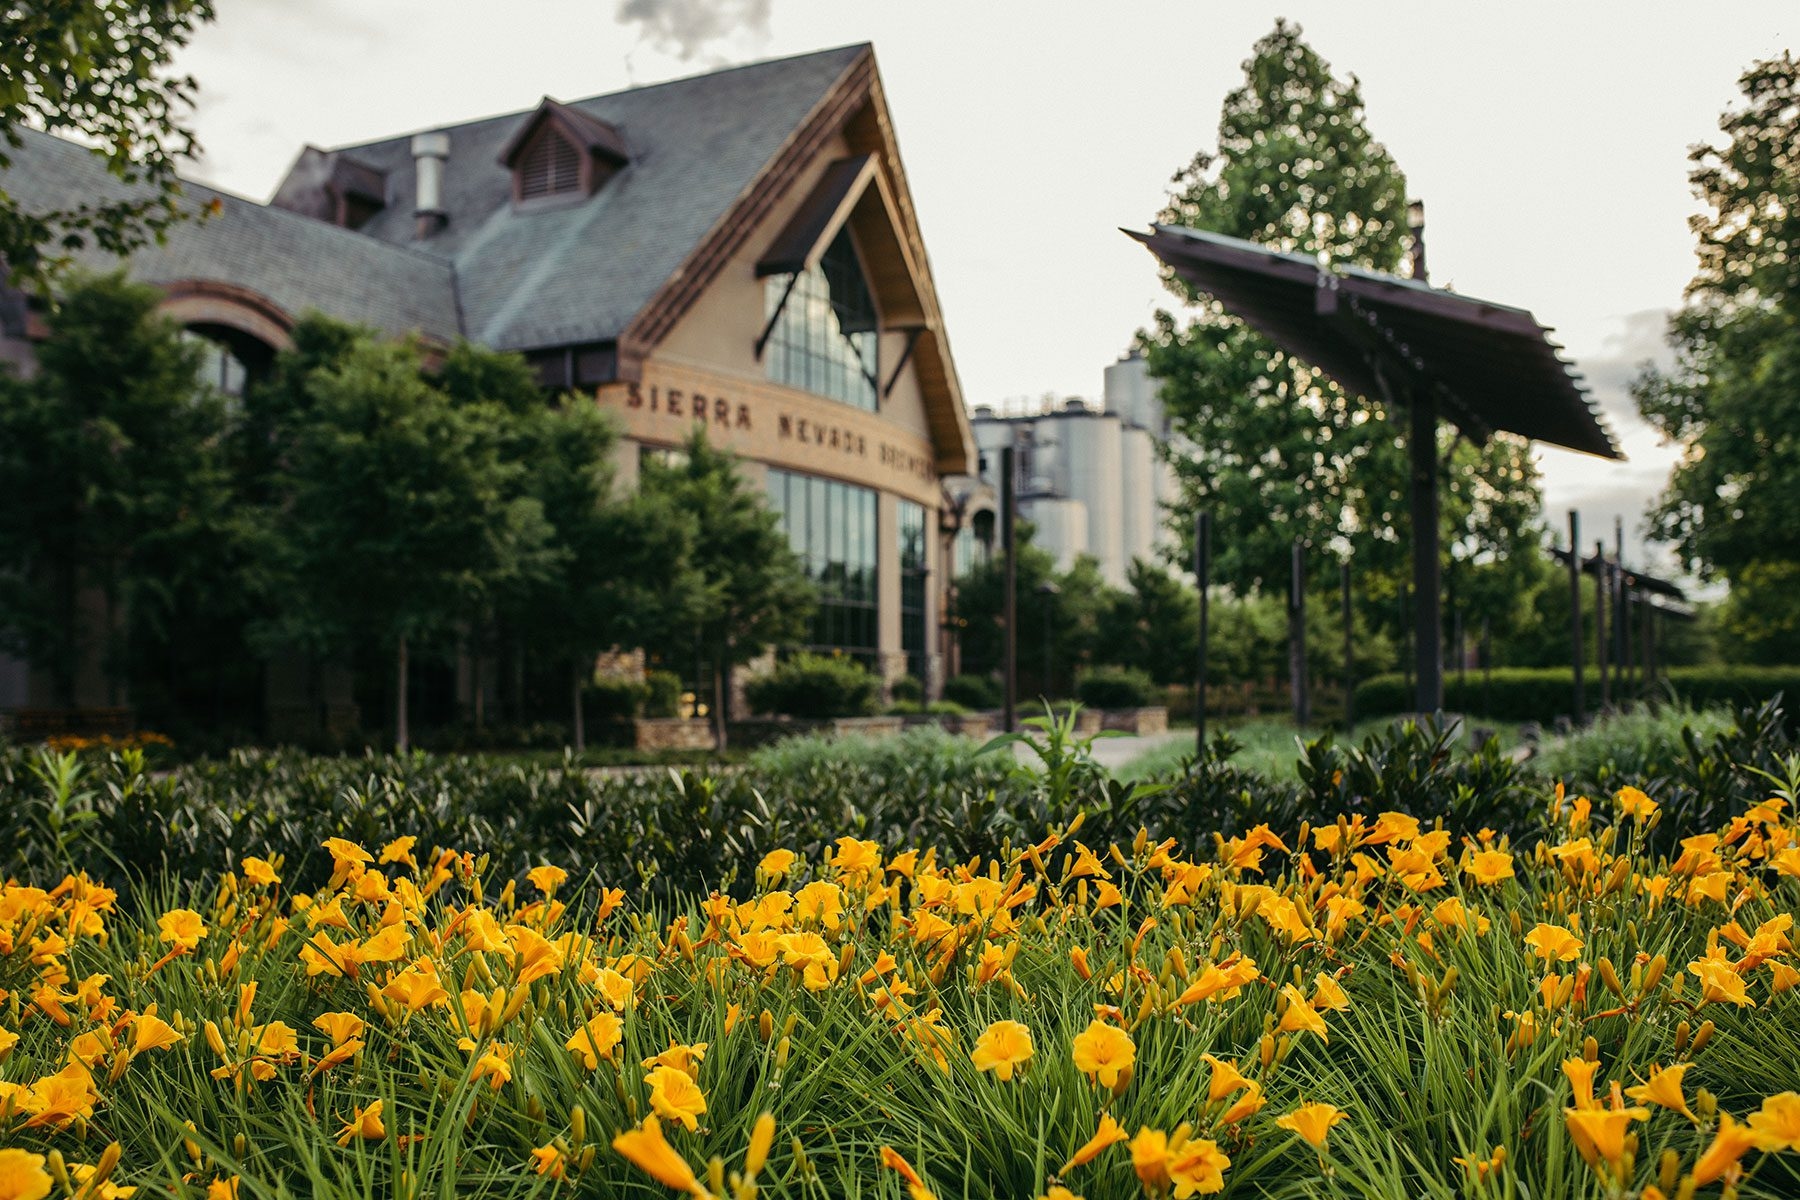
[{"x": 1114, "y": 752}]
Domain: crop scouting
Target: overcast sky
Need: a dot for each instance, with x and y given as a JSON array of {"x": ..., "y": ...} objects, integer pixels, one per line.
[{"x": 1548, "y": 140}]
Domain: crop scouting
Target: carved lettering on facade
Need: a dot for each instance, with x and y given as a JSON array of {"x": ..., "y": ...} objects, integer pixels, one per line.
[{"x": 730, "y": 415}]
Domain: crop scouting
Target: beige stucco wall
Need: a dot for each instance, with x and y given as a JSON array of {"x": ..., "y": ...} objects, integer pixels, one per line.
[
  {"x": 706, "y": 370},
  {"x": 719, "y": 332}
]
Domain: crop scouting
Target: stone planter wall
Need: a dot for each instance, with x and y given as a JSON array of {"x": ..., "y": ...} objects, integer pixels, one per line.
[
  {"x": 671, "y": 733},
  {"x": 760, "y": 731},
  {"x": 973, "y": 724},
  {"x": 1135, "y": 720}
]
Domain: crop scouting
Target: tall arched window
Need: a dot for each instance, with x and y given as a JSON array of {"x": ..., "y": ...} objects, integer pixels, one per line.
[
  {"x": 825, "y": 337},
  {"x": 220, "y": 368}
]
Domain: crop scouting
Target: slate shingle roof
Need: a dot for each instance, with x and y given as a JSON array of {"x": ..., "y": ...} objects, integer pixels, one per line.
[
  {"x": 515, "y": 280},
  {"x": 577, "y": 273},
  {"x": 296, "y": 262}
]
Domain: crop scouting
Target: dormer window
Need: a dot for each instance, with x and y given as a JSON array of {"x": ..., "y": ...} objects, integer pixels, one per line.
[
  {"x": 560, "y": 152},
  {"x": 549, "y": 166}
]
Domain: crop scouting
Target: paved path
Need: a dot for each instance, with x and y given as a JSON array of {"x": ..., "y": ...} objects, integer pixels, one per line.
[{"x": 1114, "y": 752}]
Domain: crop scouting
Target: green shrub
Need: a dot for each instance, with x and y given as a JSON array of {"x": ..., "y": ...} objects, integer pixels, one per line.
[
  {"x": 1640, "y": 743},
  {"x": 614, "y": 699},
  {"x": 1115, "y": 687},
  {"x": 1545, "y": 693},
  {"x": 973, "y": 691},
  {"x": 815, "y": 686},
  {"x": 662, "y": 694},
  {"x": 907, "y": 690},
  {"x": 676, "y": 833}
]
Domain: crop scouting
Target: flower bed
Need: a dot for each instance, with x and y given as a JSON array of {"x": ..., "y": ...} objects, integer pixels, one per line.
[{"x": 1370, "y": 1007}]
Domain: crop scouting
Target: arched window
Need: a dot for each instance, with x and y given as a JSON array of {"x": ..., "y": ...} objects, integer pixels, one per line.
[
  {"x": 220, "y": 369},
  {"x": 826, "y": 332}
]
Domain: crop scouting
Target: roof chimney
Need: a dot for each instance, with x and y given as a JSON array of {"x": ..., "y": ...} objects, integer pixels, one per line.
[{"x": 430, "y": 150}]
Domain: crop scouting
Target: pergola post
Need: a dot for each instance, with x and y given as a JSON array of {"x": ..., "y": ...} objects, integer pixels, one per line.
[
  {"x": 1009, "y": 603},
  {"x": 1577, "y": 641},
  {"x": 1202, "y": 578},
  {"x": 1602, "y": 588},
  {"x": 1428, "y": 618}
]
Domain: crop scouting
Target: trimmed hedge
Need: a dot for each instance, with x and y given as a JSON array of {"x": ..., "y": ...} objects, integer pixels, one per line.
[
  {"x": 1545, "y": 693},
  {"x": 1115, "y": 687},
  {"x": 658, "y": 695},
  {"x": 973, "y": 691},
  {"x": 815, "y": 686}
]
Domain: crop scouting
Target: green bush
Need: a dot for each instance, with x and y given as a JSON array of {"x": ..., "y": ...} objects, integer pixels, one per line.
[
  {"x": 1638, "y": 744},
  {"x": 1115, "y": 687},
  {"x": 614, "y": 699},
  {"x": 973, "y": 691},
  {"x": 907, "y": 690},
  {"x": 662, "y": 694},
  {"x": 679, "y": 833},
  {"x": 1545, "y": 693},
  {"x": 815, "y": 686}
]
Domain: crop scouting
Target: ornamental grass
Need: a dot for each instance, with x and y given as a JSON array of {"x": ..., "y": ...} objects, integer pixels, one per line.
[{"x": 1374, "y": 1007}]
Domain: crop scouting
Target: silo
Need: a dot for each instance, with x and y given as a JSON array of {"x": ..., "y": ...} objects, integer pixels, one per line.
[
  {"x": 1059, "y": 526},
  {"x": 1131, "y": 394},
  {"x": 1140, "y": 512},
  {"x": 1094, "y": 469}
]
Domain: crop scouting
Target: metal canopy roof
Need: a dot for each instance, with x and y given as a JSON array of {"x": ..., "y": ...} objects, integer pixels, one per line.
[
  {"x": 1593, "y": 564},
  {"x": 1490, "y": 366}
]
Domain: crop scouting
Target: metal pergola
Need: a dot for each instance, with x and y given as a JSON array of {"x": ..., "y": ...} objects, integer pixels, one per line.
[{"x": 1482, "y": 366}]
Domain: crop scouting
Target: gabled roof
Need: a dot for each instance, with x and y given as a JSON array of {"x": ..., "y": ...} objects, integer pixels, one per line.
[
  {"x": 709, "y": 157},
  {"x": 297, "y": 263},
  {"x": 583, "y": 272}
]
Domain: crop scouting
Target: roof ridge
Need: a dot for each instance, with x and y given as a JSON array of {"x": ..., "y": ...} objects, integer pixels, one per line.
[{"x": 642, "y": 87}]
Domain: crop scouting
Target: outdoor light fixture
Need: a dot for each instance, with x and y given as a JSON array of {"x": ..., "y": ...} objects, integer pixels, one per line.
[{"x": 1415, "y": 215}]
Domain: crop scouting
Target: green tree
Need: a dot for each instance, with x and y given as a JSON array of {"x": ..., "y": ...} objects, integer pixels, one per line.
[
  {"x": 116, "y": 491},
  {"x": 97, "y": 70},
  {"x": 397, "y": 514},
  {"x": 1154, "y": 625},
  {"x": 1761, "y": 621},
  {"x": 1732, "y": 397},
  {"x": 614, "y": 571},
  {"x": 1274, "y": 449},
  {"x": 748, "y": 590},
  {"x": 1073, "y": 605}
]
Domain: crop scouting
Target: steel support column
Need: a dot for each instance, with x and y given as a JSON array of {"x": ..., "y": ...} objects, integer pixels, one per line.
[
  {"x": 1428, "y": 620},
  {"x": 1009, "y": 604},
  {"x": 1578, "y": 644}
]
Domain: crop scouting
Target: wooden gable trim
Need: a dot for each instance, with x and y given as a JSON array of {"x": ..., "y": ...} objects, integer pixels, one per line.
[
  {"x": 889, "y": 263},
  {"x": 747, "y": 212},
  {"x": 855, "y": 106},
  {"x": 871, "y": 131},
  {"x": 852, "y": 192},
  {"x": 803, "y": 239}
]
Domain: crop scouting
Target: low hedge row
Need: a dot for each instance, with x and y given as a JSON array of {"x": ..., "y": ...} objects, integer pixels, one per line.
[{"x": 1543, "y": 694}]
